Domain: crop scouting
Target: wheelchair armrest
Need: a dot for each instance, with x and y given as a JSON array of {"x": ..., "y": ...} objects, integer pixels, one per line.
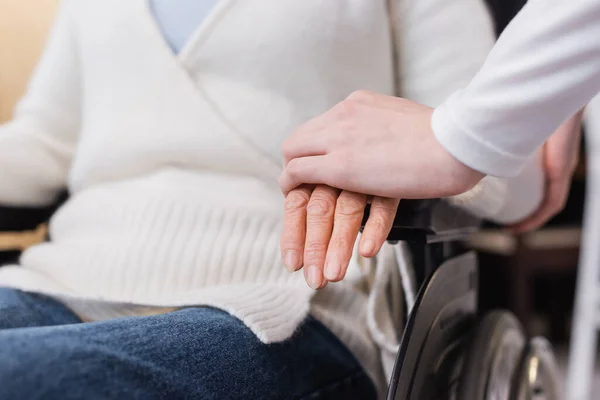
[
  {"x": 20, "y": 219},
  {"x": 429, "y": 221},
  {"x": 21, "y": 227}
]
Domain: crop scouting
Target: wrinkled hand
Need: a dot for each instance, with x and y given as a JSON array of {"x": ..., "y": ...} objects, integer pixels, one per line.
[
  {"x": 560, "y": 156},
  {"x": 375, "y": 144},
  {"x": 320, "y": 228}
]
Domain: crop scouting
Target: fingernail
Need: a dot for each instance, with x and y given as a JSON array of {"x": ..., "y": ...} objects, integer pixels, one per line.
[
  {"x": 368, "y": 247},
  {"x": 332, "y": 271},
  {"x": 290, "y": 260},
  {"x": 314, "y": 277},
  {"x": 324, "y": 284}
]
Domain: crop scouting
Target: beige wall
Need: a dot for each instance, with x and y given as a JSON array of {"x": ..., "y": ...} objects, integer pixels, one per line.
[{"x": 23, "y": 28}]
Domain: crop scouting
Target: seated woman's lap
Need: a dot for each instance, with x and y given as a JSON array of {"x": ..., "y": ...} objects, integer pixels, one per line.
[
  {"x": 192, "y": 353},
  {"x": 27, "y": 310}
]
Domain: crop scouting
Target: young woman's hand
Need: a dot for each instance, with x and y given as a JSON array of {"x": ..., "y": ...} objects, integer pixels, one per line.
[
  {"x": 375, "y": 144},
  {"x": 320, "y": 228},
  {"x": 560, "y": 156}
]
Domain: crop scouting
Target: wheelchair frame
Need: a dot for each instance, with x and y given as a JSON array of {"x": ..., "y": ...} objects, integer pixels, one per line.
[{"x": 444, "y": 341}]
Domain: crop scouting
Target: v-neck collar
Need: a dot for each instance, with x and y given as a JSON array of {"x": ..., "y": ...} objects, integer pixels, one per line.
[
  {"x": 199, "y": 36},
  {"x": 184, "y": 63}
]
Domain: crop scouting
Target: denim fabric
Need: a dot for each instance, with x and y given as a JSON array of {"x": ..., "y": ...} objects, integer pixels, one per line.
[{"x": 196, "y": 353}]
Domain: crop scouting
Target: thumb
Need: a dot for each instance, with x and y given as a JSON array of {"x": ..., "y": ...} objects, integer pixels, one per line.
[{"x": 305, "y": 170}]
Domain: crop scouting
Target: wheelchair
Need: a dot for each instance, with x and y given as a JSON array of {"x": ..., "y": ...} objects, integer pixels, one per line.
[{"x": 448, "y": 351}]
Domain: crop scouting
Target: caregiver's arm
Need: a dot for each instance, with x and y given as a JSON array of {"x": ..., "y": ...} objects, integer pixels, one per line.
[
  {"x": 443, "y": 46},
  {"x": 37, "y": 145},
  {"x": 543, "y": 69}
]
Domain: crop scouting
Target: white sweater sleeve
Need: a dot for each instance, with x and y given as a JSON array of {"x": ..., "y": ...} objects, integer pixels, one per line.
[
  {"x": 442, "y": 45},
  {"x": 37, "y": 146},
  {"x": 544, "y": 67}
]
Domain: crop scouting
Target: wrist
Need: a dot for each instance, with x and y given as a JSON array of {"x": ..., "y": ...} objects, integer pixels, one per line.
[
  {"x": 461, "y": 177},
  {"x": 458, "y": 177}
]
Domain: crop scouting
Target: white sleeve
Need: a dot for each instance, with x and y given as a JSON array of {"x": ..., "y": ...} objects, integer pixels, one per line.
[
  {"x": 543, "y": 69},
  {"x": 442, "y": 44},
  {"x": 37, "y": 146}
]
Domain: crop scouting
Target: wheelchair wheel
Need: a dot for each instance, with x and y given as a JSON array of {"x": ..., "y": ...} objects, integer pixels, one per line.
[
  {"x": 539, "y": 377},
  {"x": 492, "y": 358}
]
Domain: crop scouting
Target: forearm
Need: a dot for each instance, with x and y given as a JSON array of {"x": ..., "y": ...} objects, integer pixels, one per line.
[
  {"x": 33, "y": 168},
  {"x": 544, "y": 68}
]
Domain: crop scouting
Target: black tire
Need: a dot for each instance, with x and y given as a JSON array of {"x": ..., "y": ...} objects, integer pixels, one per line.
[{"x": 498, "y": 337}]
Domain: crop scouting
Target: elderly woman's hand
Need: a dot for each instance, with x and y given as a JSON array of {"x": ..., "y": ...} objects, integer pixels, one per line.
[{"x": 320, "y": 228}]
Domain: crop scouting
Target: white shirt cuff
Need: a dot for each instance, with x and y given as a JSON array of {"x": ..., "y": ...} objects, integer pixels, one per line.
[{"x": 471, "y": 149}]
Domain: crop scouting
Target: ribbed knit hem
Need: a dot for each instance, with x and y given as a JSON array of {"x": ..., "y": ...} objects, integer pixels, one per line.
[
  {"x": 272, "y": 311},
  {"x": 485, "y": 200},
  {"x": 164, "y": 241}
]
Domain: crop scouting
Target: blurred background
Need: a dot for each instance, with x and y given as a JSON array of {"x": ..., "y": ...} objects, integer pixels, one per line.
[
  {"x": 533, "y": 275},
  {"x": 23, "y": 28}
]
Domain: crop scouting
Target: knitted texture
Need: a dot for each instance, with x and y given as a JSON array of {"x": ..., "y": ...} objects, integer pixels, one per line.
[{"x": 172, "y": 161}]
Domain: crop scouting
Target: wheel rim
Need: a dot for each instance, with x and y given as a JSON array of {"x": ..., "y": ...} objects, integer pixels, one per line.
[
  {"x": 540, "y": 379},
  {"x": 506, "y": 361}
]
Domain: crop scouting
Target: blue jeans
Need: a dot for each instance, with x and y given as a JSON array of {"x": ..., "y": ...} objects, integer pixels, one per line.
[{"x": 46, "y": 352}]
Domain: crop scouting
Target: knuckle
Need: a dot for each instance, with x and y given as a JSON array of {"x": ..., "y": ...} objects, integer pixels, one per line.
[
  {"x": 314, "y": 250},
  {"x": 296, "y": 200},
  {"x": 377, "y": 223},
  {"x": 360, "y": 95},
  {"x": 347, "y": 107},
  {"x": 293, "y": 168},
  {"x": 351, "y": 205},
  {"x": 319, "y": 207},
  {"x": 343, "y": 242}
]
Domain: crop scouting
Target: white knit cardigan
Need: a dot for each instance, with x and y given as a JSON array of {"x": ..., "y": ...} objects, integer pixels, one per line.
[{"x": 172, "y": 161}]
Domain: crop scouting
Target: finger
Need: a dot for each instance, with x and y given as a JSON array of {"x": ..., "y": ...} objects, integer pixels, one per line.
[
  {"x": 307, "y": 170},
  {"x": 308, "y": 140},
  {"x": 319, "y": 226},
  {"x": 319, "y": 135},
  {"x": 533, "y": 222},
  {"x": 562, "y": 148},
  {"x": 378, "y": 226},
  {"x": 349, "y": 211},
  {"x": 294, "y": 227}
]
